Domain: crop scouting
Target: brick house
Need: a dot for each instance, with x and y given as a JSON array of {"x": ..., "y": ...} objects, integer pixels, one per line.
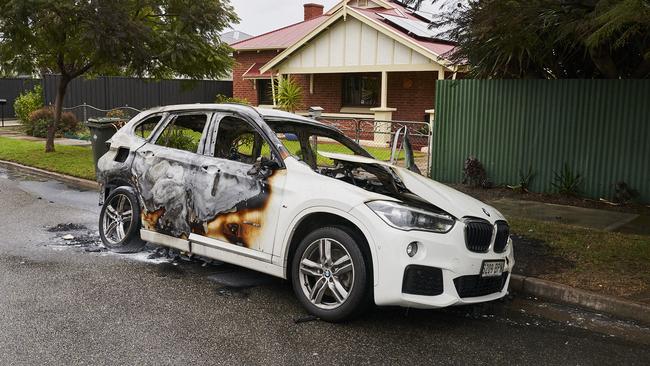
[{"x": 361, "y": 59}]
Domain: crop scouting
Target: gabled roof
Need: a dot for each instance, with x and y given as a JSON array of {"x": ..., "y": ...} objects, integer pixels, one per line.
[
  {"x": 282, "y": 38},
  {"x": 435, "y": 50},
  {"x": 439, "y": 48},
  {"x": 254, "y": 72}
]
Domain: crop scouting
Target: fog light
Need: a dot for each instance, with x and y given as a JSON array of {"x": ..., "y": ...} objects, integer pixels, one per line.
[{"x": 412, "y": 248}]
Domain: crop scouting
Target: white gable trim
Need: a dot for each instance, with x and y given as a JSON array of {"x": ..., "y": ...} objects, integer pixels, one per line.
[
  {"x": 440, "y": 64},
  {"x": 382, "y": 3}
]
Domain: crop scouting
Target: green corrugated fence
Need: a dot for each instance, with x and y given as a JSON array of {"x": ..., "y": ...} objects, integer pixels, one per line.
[{"x": 600, "y": 128}]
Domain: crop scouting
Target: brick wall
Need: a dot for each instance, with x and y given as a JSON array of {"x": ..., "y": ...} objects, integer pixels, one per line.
[
  {"x": 327, "y": 92},
  {"x": 412, "y": 93},
  {"x": 243, "y": 60}
]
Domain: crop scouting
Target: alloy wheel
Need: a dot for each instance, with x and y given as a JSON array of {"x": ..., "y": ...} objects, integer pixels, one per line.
[
  {"x": 326, "y": 273},
  {"x": 118, "y": 218}
]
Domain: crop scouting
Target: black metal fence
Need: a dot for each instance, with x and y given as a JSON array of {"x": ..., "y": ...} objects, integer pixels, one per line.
[
  {"x": 111, "y": 91},
  {"x": 10, "y": 89},
  {"x": 108, "y": 92}
]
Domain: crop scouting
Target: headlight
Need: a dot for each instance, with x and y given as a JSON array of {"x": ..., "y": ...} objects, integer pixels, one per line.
[{"x": 408, "y": 218}]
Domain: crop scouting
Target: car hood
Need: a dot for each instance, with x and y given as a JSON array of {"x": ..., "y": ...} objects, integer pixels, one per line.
[{"x": 440, "y": 195}]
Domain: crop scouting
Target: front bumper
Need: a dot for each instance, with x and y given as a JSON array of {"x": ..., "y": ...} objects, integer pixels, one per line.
[{"x": 446, "y": 252}]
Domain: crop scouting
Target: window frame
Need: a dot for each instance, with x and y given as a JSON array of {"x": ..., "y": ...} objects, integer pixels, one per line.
[
  {"x": 134, "y": 129},
  {"x": 210, "y": 145},
  {"x": 344, "y": 102},
  {"x": 170, "y": 117}
]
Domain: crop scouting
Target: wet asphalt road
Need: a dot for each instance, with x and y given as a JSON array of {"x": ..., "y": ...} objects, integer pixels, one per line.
[{"x": 61, "y": 302}]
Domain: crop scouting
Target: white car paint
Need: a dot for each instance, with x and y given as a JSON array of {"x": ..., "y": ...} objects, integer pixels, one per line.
[{"x": 301, "y": 191}]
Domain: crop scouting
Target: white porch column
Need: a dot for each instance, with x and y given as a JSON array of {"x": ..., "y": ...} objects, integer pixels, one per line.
[
  {"x": 273, "y": 93},
  {"x": 441, "y": 73},
  {"x": 383, "y": 115},
  {"x": 384, "y": 89}
]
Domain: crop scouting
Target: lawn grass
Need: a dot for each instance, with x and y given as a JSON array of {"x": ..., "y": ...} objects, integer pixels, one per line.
[
  {"x": 71, "y": 160},
  {"x": 609, "y": 262}
]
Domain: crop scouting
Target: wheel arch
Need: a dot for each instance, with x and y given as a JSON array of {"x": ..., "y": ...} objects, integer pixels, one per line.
[
  {"x": 116, "y": 182},
  {"x": 323, "y": 217}
]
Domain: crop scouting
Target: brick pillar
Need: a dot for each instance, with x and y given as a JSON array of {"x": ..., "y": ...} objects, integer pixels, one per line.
[{"x": 383, "y": 126}]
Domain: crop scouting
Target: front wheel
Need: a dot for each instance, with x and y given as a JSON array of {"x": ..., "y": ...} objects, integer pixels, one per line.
[
  {"x": 119, "y": 221},
  {"x": 329, "y": 274}
]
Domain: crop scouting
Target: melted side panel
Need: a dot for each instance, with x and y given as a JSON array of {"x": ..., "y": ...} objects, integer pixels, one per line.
[{"x": 206, "y": 196}]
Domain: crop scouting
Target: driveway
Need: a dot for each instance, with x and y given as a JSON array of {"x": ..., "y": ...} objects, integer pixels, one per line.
[{"x": 69, "y": 302}]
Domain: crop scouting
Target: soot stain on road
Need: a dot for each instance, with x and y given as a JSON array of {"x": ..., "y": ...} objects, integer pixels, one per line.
[{"x": 66, "y": 227}]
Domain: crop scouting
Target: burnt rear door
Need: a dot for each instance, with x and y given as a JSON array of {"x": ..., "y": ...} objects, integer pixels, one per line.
[
  {"x": 164, "y": 168},
  {"x": 236, "y": 198}
]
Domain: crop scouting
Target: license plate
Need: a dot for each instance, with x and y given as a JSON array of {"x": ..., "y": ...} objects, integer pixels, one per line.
[{"x": 492, "y": 268}]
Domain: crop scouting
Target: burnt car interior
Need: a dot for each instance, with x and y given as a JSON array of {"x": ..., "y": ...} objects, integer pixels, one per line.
[
  {"x": 304, "y": 140},
  {"x": 184, "y": 132},
  {"x": 238, "y": 141}
]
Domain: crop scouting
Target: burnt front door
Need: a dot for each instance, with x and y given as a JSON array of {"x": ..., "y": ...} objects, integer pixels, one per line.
[
  {"x": 235, "y": 196},
  {"x": 163, "y": 169}
]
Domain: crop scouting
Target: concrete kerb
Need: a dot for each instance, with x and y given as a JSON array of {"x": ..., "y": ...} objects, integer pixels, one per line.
[
  {"x": 557, "y": 292},
  {"x": 73, "y": 181},
  {"x": 549, "y": 290}
]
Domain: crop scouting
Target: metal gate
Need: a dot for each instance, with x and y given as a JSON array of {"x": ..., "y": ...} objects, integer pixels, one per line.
[{"x": 377, "y": 137}]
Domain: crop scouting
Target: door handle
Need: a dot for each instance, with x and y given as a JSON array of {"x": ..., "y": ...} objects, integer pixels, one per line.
[{"x": 147, "y": 154}]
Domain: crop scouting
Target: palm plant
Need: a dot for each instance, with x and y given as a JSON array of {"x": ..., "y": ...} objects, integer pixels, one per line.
[{"x": 289, "y": 96}]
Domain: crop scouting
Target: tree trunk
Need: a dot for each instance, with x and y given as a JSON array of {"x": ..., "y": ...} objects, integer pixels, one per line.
[{"x": 58, "y": 108}]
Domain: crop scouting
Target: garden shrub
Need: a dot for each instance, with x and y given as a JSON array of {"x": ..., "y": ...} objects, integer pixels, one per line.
[
  {"x": 118, "y": 113},
  {"x": 39, "y": 120},
  {"x": 27, "y": 102},
  {"x": 474, "y": 173},
  {"x": 221, "y": 99},
  {"x": 567, "y": 181}
]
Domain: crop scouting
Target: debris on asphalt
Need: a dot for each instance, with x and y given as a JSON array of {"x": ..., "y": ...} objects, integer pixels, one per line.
[
  {"x": 241, "y": 278},
  {"x": 305, "y": 319},
  {"x": 68, "y": 237},
  {"x": 66, "y": 227}
]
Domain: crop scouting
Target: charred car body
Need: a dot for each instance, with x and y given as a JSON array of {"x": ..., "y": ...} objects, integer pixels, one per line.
[{"x": 251, "y": 187}]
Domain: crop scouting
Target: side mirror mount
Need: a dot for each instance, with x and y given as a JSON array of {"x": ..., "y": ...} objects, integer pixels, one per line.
[
  {"x": 270, "y": 164},
  {"x": 263, "y": 167}
]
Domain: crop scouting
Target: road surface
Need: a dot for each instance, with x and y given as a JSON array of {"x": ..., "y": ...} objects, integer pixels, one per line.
[{"x": 69, "y": 302}]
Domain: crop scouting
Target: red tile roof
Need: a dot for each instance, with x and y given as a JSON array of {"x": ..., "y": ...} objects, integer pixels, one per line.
[
  {"x": 253, "y": 72},
  {"x": 280, "y": 38},
  {"x": 285, "y": 37}
]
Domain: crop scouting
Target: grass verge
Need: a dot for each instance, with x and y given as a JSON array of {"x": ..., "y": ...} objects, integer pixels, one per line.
[
  {"x": 606, "y": 262},
  {"x": 71, "y": 160}
]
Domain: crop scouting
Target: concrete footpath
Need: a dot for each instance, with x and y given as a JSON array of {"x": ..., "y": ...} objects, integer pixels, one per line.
[
  {"x": 10, "y": 131},
  {"x": 548, "y": 290}
]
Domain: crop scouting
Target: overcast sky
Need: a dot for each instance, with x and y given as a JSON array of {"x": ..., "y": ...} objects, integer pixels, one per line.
[{"x": 261, "y": 16}]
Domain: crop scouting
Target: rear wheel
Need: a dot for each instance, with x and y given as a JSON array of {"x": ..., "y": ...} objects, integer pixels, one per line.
[
  {"x": 329, "y": 274},
  {"x": 119, "y": 221}
]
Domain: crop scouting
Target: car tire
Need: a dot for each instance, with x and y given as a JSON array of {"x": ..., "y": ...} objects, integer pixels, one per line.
[
  {"x": 330, "y": 287},
  {"x": 119, "y": 221}
]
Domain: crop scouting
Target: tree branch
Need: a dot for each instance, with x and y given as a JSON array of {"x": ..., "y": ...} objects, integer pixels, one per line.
[{"x": 82, "y": 70}]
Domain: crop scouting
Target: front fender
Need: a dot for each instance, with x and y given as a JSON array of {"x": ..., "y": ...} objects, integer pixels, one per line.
[{"x": 281, "y": 248}]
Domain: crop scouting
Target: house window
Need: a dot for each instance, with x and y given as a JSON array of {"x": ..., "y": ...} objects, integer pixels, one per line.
[
  {"x": 264, "y": 92},
  {"x": 361, "y": 90}
]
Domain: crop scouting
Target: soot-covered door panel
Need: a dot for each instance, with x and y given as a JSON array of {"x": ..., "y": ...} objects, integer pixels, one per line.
[
  {"x": 163, "y": 169},
  {"x": 236, "y": 190}
]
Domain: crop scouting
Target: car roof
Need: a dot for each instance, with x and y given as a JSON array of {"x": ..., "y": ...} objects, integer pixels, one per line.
[{"x": 265, "y": 113}]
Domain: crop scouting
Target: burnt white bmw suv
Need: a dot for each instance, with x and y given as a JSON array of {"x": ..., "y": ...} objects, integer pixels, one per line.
[{"x": 252, "y": 187}]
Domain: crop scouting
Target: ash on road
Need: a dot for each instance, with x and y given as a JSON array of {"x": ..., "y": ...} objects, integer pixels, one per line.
[{"x": 72, "y": 302}]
